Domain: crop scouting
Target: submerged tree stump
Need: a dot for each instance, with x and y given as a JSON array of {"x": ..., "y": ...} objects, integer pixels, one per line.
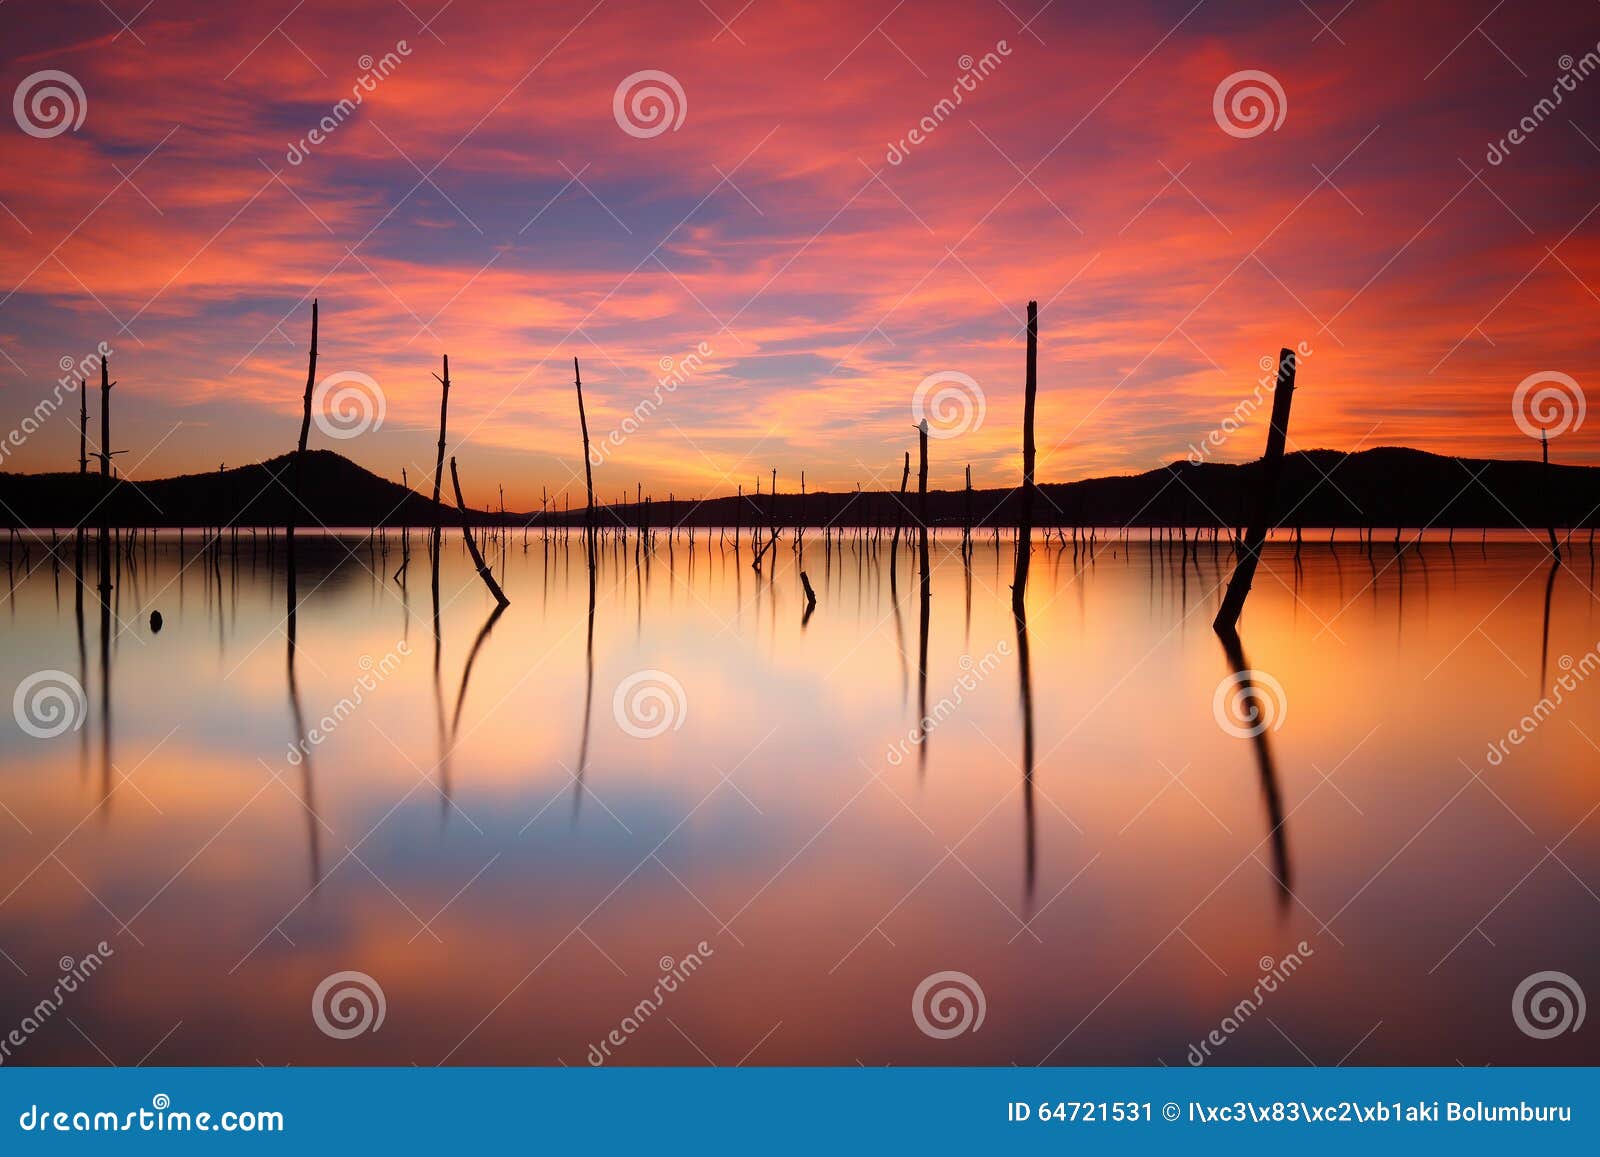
[{"x": 1244, "y": 571}]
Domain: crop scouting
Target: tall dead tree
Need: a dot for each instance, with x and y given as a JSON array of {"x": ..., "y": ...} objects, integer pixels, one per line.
[
  {"x": 894, "y": 542},
  {"x": 1244, "y": 571},
  {"x": 1544, "y": 485},
  {"x": 83, "y": 425},
  {"x": 444, "y": 413},
  {"x": 1019, "y": 584},
  {"x": 472, "y": 546},
  {"x": 588, "y": 469}
]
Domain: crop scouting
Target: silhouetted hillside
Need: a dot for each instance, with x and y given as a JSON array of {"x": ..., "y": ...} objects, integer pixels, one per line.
[
  {"x": 1384, "y": 487},
  {"x": 334, "y": 491}
]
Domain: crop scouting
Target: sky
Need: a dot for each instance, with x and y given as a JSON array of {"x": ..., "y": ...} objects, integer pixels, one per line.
[{"x": 805, "y": 229}]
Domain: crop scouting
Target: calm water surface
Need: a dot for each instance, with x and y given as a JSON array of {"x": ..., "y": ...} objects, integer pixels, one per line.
[{"x": 516, "y": 881}]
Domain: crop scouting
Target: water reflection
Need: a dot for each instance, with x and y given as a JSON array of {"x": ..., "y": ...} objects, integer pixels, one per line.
[{"x": 766, "y": 817}]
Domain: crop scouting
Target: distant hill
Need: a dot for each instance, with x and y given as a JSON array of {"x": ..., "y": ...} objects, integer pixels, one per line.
[
  {"x": 334, "y": 490},
  {"x": 1387, "y": 486}
]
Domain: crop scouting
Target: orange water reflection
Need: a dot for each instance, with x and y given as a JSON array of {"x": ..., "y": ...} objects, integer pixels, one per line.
[{"x": 1114, "y": 906}]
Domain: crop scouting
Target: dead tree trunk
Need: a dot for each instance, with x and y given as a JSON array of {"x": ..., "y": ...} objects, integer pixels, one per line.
[
  {"x": 588, "y": 469},
  {"x": 83, "y": 425},
  {"x": 899, "y": 513},
  {"x": 922, "y": 474},
  {"x": 1544, "y": 485},
  {"x": 1244, "y": 571},
  {"x": 1019, "y": 585},
  {"x": 444, "y": 412},
  {"x": 472, "y": 546}
]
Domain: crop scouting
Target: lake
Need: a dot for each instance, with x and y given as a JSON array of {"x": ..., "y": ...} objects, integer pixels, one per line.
[{"x": 696, "y": 826}]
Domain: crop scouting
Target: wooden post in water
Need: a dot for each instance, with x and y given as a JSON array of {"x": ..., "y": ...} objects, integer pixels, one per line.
[
  {"x": 1244, "y": 571},
  {"x": 588, "y": 470},
  {"x": 1544, "y": 485},
  {"x": 899, "y": 517},
  {"x": 83, "y": 425},
  {"x": 472, "y": 546},
  {"x": 1019, "y": 584},
  {"x": 922, "y": 474},
  {"x": 438, "y": 465}
]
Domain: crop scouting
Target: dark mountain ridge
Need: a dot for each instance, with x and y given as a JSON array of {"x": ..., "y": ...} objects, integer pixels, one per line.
[{"x": 1384, "y": 486}]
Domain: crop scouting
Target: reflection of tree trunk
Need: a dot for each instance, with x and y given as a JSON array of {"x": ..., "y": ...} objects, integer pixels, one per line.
[
  {"x": 1019, "y": 584},
  {"x": 588, "y": 697},
  {"x": 446, "y": 748},
  {"x": 466, "y": 670},
  {"x": 105, "y": 677},
  {"x": 1244, "y": 571},
  {"x": 1025, "y": 673},
  {"x": 1267, "y": 767},
  {"x": 307, "y": 795},
  {"x": 925, "y": 588},
  {"x": 1544, "y": 645}
]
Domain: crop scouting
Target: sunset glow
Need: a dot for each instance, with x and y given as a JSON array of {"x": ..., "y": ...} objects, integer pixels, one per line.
[{"x": 483, "y": 201}]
